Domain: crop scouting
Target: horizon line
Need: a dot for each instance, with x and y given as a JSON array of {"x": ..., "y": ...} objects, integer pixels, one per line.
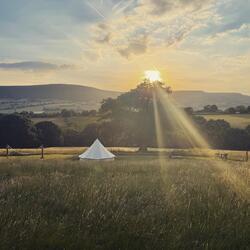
[{"x": 119, "y": 91}]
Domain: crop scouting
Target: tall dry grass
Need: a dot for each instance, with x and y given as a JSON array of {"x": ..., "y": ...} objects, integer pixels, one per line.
[{"x": 131, "y": 203}]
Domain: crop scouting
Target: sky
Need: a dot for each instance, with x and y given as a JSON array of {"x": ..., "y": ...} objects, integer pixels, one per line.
[{"x": 108, "y": 44}]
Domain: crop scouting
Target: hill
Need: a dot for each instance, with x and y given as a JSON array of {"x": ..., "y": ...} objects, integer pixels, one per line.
[
  {"x": 77, "y": 93},
  {"x": 198, "y": 99},
  {"x": 56, "y": 92}
]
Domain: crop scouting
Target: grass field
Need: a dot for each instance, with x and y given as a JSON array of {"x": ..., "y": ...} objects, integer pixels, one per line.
[
  {"x": 236, "y": 121},
  {"x": 79, "y": 123},
  {"x": 130, "y": 203},
  {"x": 76, "y": 123},
  {"x": 124, "y": 151}
]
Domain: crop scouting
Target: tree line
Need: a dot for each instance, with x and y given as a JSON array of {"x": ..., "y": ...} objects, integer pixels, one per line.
[
  {"x": 241, "y": 109},
  {"x": 65, "y": 113},
  {"x": 130, "y": 130}
]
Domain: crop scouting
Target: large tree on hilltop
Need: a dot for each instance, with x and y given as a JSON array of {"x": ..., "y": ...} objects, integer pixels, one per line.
[
  {"x": 137, "y": 106},
  {"x": 136, "y": 100}
]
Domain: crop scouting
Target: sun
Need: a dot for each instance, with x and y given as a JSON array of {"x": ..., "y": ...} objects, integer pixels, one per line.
[{"x": 153, "y": 75}]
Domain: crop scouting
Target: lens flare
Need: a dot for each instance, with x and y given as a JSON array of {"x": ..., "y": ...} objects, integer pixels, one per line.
[{"x": 152, "y": 75}]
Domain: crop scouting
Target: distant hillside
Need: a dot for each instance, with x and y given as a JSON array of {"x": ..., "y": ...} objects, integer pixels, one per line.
[
  {"x": 56, "y": 92},
  {"x": 77, "y": 93},
  {"x": 198, "y": 99}
]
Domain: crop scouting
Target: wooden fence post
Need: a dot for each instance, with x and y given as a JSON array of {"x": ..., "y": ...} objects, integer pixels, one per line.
[
  {"x": 42, "y": 152},
  {"x": 7, "y": 150}
]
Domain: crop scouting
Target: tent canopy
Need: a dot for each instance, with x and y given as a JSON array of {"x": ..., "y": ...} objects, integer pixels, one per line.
[{"x": 96, "y": 152}]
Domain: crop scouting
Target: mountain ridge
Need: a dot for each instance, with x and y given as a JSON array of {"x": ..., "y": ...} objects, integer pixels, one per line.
[
  {"x": 56, "y": 91},
  {"x": 74, "y": 92}
]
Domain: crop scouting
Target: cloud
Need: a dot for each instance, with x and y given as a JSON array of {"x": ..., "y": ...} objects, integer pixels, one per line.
[
  {"x": 33, "y": 66},
  {"x": 195, "y": 3},
  {"x": 102, "y": 33},
  {"x": 233, "y": 15},
  {"x": 226, "y": 32},
  {"x": 235, "y": 35},
  {"x": 149, "y": 25},
  {"x": 136, "y": 47},
  {"x": 123, "y": 6},
  {"x": 160, "y": 7},
  {"x": 44, "y": 28},
  {"x": 182, "y": 34},
  {"x": 91, "y": 56}
]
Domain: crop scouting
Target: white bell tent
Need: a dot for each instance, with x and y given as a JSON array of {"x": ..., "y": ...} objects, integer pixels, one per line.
[{"x": 97, "y": 152}]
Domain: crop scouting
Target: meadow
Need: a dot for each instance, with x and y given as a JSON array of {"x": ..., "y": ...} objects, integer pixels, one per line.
[
  {"x": 134, "y": 202},
  {"x": 235, "y": 120},
  {"x": 80, "y": 123},
  {"x": 77, "y": 122}
]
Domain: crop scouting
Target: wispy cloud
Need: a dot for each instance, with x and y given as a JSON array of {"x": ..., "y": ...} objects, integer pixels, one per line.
[
  {"x": 33, "y": 66},
  {"x": 95, "y": 9},
  {"x": 136, "y": 46},
  {"x": 145, "y": 27}
]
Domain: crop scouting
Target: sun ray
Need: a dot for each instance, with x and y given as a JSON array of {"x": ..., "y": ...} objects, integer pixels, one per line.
[
  {"x": 159, "y": 132},
  {"x": 181, "y": 119},
  {"x": 158, "y": 126}
]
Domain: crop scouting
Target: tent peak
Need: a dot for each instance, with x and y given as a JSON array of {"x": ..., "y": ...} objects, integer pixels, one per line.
[{"x": 97, "y": 152}]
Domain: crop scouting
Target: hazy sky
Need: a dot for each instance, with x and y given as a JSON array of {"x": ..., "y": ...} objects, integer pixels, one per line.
[{"x": 195, "y": 44}]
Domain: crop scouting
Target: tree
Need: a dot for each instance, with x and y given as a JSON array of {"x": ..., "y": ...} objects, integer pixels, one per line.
[
  {"x": 241, "y": 109},
  {"x": 50, "y": 134},
  {"x": 248, "y": 110},
  {"x": 216, "y": 131},
  {"x": 18, "y": 131},
  {"x": 67, "y": 113},
  {"x": 189, "y": 110},
  {"x": 90, "y": 133},
  {"x": 237, "y": 139},
  {"x": 200, "y": 121},
  {"x": 214, "y": 108},
  {"x": 211, "y": 108},
  {"x": 72, "y": 138},
  {"x": 217, "y": 125},
  {"x": 138, "y": 104},
  {"x": 248, "y": 129},
  {"x": 230, "y": 110},
  {"x": 108, "y": 104}
]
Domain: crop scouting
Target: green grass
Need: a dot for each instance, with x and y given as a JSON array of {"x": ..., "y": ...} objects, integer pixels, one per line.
[
  {"x": 130, "y": 203},
  {"x": 76, "y": 123},
  {"x": 236, "y": 121}
]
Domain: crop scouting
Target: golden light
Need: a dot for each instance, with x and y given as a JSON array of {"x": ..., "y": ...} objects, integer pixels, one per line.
[{"x": 152, "y": 75}]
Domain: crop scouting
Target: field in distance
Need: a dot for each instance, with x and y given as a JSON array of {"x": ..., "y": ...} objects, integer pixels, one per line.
[
  {"x": 77, "y": 122},
  {"x": 80, "y": 122},
  {"x": 235, "y": 120},
  {"x": 130, "y": 203}
]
